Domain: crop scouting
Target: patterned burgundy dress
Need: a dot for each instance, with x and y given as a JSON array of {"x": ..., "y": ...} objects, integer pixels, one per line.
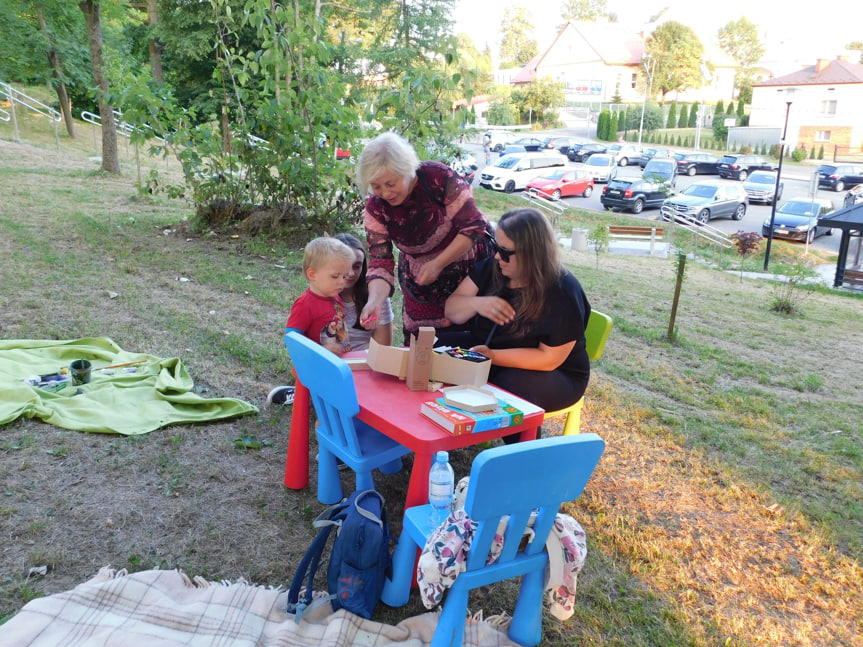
[{"x": 438, "y": 208}]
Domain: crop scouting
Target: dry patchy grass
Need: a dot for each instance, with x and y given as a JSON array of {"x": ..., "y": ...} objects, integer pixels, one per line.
[{"x": 687, "y": 545}]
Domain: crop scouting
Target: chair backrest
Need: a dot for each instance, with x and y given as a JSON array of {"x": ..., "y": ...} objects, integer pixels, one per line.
[
  {"x": 523, "y": 478},
  {"x": 596, "y": 333},
  {"x": 331, "y": 386}
]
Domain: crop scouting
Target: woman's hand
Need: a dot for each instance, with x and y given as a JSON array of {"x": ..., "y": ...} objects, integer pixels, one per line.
[
  {"x": 370, "y": 315},
  {"x": 495, "y": 309},
  {"x": 428, "y": 273},
  {"x": 379, "y": 290},
  {"x": 482, "y": 349}
]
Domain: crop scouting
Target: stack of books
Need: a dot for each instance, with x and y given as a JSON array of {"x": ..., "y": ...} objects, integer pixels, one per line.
[{"x": 459, "y": 421}]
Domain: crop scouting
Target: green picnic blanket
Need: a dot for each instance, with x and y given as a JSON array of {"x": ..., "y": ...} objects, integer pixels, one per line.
[{"x": 158, "y": 393}]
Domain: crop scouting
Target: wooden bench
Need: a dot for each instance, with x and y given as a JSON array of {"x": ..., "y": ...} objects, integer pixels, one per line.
[
  {"x": 853, "y": 277},
  {"x": 652, "y": 235}
]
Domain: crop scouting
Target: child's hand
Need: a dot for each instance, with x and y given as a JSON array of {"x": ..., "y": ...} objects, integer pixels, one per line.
[{"x": 335, "y": 348}]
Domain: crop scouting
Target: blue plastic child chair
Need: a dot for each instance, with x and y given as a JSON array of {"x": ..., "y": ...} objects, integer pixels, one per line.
[
  {"x": 340, "y": 433},
  {"x": 512, "y": 480}
]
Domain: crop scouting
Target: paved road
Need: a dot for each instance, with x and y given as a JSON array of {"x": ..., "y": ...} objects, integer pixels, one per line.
[{"x": 796, "y": 183}]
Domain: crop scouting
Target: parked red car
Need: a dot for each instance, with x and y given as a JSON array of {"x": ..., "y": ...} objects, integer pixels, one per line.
[{"x": 562, "y": 182}]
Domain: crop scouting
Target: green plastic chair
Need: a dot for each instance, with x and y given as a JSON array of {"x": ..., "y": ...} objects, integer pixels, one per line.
[{"x": 596, "y": 334}]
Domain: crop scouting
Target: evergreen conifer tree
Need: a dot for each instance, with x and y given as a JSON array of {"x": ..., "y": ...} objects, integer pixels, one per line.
[{"x": 672, "y": 117}]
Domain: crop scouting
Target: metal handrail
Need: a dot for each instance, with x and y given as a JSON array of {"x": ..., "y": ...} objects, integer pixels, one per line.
[
  {"x": 123, "y": 128},
  {"x": 543, "y": 200},
  {"x": 683, "y": 219},
  {"x": 16, "y": 96},
  {"x": 4, "y": 116}
]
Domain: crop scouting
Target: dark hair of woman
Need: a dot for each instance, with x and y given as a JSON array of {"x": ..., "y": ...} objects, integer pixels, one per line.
[
  {"x": 361, "y": 288},
  {"x": 539, "y": 262}
]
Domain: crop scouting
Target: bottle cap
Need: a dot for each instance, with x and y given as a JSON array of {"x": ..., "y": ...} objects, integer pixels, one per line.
[{"x": 442, "y": 457}]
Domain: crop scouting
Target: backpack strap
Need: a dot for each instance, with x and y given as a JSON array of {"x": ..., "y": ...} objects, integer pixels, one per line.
[
  {"x": 326, "y": 521},
  {"x": 365, "y": 513}
]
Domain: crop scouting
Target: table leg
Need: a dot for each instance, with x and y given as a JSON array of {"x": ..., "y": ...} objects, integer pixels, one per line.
[
  {"x": 418, "y": 489},
  {"x": 527, "y": 434},
  {"x": 297, "y": 461}
]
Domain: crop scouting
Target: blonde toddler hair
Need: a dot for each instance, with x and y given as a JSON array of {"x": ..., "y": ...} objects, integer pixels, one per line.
[{"x": 321, "y": 251}]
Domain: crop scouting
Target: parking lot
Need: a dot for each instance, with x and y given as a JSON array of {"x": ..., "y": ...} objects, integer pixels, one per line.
[{"x": 795, "y": 179}]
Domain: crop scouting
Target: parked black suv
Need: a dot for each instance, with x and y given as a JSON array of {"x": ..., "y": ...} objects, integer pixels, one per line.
[
  {"x": 839, "y": 176},
  {"x": 580, "y": 152},
  {"x": 740, "y": 166}
]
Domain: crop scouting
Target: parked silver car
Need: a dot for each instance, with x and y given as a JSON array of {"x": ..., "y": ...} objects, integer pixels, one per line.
[
  {"x": 760, "y": 186},
  {"x": 705, "y": 200}
]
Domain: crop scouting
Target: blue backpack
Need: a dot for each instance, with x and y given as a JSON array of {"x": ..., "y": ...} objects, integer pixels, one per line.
[{"x": 359, "y": 561}]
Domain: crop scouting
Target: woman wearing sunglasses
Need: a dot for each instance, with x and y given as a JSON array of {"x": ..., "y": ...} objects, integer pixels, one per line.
[{"x": 527, "y": 313}]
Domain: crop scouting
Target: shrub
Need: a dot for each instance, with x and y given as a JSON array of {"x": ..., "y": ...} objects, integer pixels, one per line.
[
  {"x": 812, "y": 153},
  {"x": 793, "y": 288},
  {"x": 821, "y": 152},
  {"x": 798, "y": 154}
]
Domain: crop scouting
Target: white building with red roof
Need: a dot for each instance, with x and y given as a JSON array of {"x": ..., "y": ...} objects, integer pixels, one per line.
[{"x": 826, "y": 100}]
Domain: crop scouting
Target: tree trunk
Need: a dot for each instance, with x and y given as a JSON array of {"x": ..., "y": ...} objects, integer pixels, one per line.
[
  {"x": 59, "y": 86},
  {"x": 156, "y": 48},
  {"x": 110, "y": 160}
]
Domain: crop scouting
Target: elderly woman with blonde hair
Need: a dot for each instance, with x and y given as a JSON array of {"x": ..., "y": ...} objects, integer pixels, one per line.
[{"x": 427, "y": 211}]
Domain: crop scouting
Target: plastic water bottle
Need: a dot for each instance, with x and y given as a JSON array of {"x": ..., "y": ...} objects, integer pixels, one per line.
[{"x": 441, "y": 488}]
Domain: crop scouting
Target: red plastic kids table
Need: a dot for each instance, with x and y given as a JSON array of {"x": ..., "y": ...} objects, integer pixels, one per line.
[{"x": 389, "y": 406}]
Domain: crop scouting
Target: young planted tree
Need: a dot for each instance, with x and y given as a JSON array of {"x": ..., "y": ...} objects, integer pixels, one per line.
[{"x": 747, "y": 243}]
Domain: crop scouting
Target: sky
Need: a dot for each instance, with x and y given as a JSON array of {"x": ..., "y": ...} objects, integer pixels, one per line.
[{"x": 795, "y": 34}]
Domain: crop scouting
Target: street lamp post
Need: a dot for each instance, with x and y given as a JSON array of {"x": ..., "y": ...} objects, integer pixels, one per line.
[
  {"x": 789, "y": 94},
  {"x": 647, "y": 60}
]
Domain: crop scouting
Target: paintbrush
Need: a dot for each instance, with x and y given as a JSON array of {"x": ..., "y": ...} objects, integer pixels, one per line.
[{"x": 140, "y": 361}]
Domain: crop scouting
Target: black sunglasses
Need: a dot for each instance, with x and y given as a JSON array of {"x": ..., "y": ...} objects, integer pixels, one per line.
[{"x": 505, "y": 254}]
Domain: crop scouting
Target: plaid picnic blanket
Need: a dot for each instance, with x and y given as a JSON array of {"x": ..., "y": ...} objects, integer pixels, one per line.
[
  {"x": 158, "y": 393},
  {"x": 167, "y": 608}
]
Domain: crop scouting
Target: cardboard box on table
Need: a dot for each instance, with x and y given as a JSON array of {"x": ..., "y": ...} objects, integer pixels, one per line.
[{"x": 446, "y": 369}]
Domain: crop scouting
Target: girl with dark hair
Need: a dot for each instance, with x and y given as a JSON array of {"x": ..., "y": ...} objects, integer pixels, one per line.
[
  {"x": 527, "y": 313},
  {"x": 355, "y": 296}
]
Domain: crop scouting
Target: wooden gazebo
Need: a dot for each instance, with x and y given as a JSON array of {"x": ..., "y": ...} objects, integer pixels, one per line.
[{"x": 849, "y": 267}]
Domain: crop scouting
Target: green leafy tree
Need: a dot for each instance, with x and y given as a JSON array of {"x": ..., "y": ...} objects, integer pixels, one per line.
[
  {"x": 739, "y": 39},
  {"x": 501, "y": 112},
  {"x": 45, "y": 42},
  {"x": 653, "y": 117},
  {"x": 720, "y": 108},
  {"x": 472, "y": 61},
  {"x": 671, "y": 121},
  {"x": 92, "y": 14},
  {"x": 677, "y": 52},
  {"x": 516, "y": 47},
  {"x": 693, "y": 116},
  {"x": 539, "y": 99},
  {"x": 585, "y": 10}
]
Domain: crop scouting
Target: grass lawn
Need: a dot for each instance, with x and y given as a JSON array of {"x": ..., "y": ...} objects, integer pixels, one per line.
[{"x": 726, "y": 509}]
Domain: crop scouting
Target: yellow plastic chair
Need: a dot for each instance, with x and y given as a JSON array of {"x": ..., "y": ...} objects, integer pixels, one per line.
[{"x": 596, "y": 334}]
